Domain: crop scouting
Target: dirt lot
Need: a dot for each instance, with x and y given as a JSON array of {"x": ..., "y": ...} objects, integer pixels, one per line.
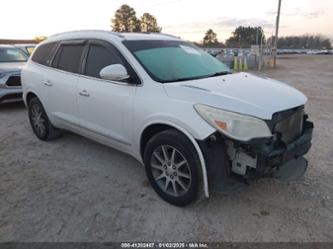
[{"x": 74, "y": 189}]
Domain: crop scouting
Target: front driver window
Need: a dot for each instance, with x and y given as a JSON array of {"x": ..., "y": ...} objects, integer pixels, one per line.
[{"x": 98, "y": 58}]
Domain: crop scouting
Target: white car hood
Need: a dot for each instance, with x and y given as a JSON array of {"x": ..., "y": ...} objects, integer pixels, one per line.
[
  {"x": 241, "y": 92},
  {"x": 11, "y": 66}
]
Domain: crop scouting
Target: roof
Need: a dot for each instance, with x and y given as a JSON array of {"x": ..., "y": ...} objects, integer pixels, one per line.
[{"x": 120, "y": 36}]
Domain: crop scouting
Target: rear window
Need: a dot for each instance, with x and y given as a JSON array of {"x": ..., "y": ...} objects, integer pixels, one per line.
[
  {"x": 68, "y": 57},
  {"x": 43, "y": 53}
]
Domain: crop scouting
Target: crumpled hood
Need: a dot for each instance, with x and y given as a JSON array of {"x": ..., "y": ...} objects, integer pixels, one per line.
[
  {"x": 11, "y": 66},
  {"x": 241, "y": 92}
]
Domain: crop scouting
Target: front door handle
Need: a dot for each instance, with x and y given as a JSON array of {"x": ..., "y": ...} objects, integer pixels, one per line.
[
  {"x": 47, "y": 83},
  {"x": 84, "y": 93}
]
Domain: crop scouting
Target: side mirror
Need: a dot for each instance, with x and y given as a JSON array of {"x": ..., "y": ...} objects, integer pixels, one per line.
[{"x": 114, "y": 72}]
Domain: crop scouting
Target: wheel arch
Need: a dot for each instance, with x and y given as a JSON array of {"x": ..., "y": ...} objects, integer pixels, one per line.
[
  {"x": 29, "y": 95},
  {"x": 150, "y": 130}
]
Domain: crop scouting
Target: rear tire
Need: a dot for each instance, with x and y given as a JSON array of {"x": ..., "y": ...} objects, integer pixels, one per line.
[
  {"x": 39, "y": 121},
  {"x": 173, "y": 167}
]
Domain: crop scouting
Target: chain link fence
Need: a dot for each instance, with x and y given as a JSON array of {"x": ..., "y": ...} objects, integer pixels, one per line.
[{"x": 242, "y": 59}]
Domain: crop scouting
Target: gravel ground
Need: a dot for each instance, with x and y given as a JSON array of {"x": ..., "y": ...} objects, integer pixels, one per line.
[{"x": 73, "y": 189}]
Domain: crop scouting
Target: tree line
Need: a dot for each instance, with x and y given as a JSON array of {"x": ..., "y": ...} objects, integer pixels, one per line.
[
  {"x": 244, "y": 37},
  {"x": 125, "y": 20},
  {"x": 305, "y": 42},
  {"x": 241, "y": 37}
]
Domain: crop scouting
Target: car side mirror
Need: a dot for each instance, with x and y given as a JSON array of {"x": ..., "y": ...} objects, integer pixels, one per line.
[{"x": 114, "y": 72}]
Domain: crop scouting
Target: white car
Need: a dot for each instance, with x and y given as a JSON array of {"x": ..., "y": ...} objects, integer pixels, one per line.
[
  {"x": 12, "y": 60},
  {"x": 181, "y": 112}
]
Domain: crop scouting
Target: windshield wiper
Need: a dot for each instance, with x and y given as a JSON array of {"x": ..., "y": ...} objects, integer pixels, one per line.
[
  {"x": 219, "y": 73},
  {"x": 197, "y": 77},
  {"x": 184, "y": 79}
]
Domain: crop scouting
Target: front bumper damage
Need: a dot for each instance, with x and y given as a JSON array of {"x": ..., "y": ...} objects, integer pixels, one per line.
[
  {"x": 231, "y": 161},
  {"x": 274, "y": 155},
  {"x": 276, "y": 159}
]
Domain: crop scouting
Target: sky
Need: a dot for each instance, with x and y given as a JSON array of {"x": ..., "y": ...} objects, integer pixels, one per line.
[{"x": 189, "y": 19}]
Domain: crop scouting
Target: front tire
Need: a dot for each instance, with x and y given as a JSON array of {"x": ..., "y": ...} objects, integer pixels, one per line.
[
  {"x": 173, "y": 167},
  {"x": 39, "y": 121}
]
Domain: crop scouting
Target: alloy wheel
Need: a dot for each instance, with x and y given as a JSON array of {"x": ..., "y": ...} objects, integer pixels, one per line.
[
  {"x": 171, "y": 170},
  {"x": 37, "y": 119}
]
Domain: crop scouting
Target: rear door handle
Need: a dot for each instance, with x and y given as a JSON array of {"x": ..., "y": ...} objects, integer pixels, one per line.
[
  {"x": 84, "y": 93},
  {"x": 47, "y": 83}
]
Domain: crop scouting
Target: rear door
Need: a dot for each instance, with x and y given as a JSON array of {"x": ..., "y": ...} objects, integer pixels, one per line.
[
  {"x": 105, "y": 107},
  {"x": 36, "y": 73},
  {"x": 61, "y": 83}
]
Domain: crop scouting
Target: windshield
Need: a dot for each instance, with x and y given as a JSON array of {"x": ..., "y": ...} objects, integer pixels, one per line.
[
  {"x": 171, "y": 61},
  {"x": 12, "y": 55}
]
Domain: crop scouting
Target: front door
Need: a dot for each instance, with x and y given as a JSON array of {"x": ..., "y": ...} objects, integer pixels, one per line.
[{"x": 105, "y": 107}]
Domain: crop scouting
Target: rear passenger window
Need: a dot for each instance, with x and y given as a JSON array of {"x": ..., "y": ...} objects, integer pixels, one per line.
[
  {"x": 68, "y": 57},
  {"x": 98, "y": 58},
  {"x": 43, "y": 53}
]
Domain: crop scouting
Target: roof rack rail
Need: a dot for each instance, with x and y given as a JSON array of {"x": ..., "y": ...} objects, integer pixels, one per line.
[
  {"x": 164, "y": 34},
  {"x": 88, "y": 30},
  {"x": 156, "y": 33}
]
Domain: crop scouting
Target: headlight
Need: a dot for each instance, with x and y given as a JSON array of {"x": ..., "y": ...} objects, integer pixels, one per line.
[
  {"x": 234, "y": 125},
  {"x": 2, "y": 75}
]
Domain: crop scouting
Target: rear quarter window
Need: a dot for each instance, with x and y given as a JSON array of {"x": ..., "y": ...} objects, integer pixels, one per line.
[{"x": 43, "y": 53}]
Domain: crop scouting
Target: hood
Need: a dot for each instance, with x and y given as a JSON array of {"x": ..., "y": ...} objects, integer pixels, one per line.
[
  {"x": 11, "y": 66},
  {"x": 241, "y": 92}
]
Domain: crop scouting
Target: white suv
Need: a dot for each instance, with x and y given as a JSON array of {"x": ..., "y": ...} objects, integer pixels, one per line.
[{"x": 181, "y": 112}]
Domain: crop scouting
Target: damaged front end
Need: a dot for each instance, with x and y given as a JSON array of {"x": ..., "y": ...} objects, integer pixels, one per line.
[{"x": 280, "y": 156}]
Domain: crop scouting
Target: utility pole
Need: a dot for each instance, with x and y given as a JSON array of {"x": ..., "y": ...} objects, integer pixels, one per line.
[
  {"x": 276, "y": 34},
  {"x": 257, "y": 36}
]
